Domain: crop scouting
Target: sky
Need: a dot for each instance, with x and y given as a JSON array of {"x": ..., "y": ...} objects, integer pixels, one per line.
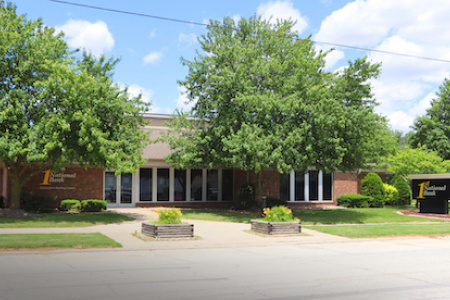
[{"x": 151, "y": 49}]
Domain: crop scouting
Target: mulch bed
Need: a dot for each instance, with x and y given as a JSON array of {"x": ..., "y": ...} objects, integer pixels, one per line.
[
  {"x": 16, "y": 213},
  {"x": 426, "y": 215}
]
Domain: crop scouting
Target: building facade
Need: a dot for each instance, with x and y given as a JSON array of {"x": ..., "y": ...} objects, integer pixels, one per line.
[{"x": 157, "y": 183}]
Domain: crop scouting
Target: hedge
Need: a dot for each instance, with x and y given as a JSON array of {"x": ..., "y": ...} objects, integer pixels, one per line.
[
  {"x": 372, "y": 186},
  {"x": 354, "y": 200},
  {"x": 70, "y": 205},
  {"x": 93, "y": 205}
]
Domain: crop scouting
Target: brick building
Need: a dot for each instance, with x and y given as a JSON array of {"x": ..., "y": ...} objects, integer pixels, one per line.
[{"x": 159, "y": 184}]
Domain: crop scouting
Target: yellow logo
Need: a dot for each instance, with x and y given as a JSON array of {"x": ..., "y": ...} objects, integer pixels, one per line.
[
  {"x": 46, "y": 177},
  {"x": 422, "y": 187}
]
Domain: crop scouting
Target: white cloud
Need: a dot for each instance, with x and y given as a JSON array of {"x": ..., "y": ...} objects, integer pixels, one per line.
[
  {"x": 187, "y": 39},
  {"x": 285, "y": 10},
  {"x": 93, "y": 37},
  {"x": 152, "y": 58},
  {"x": 134, "y": 90},
  {"x": 413, "y": 27},
  {"x": 183, "y": 102},
  {"x": 152, "y": 33}
]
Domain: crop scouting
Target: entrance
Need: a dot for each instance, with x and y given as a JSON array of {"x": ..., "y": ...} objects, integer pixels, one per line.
[{"x": 118, "y": 190}]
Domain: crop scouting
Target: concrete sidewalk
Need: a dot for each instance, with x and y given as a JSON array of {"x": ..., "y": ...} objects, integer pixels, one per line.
[{"x": 209, "y": 234}]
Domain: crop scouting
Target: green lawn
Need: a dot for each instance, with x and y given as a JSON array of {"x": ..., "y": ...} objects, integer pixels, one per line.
[
  {"x": 383, "y": 230},
  {"x": 65, "y": 220},
  {"x": 56, "y": 240},
  {"x": 311, "y": 217}
]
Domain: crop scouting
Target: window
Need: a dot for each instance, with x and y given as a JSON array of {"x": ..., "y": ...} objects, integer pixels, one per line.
[
  {"x": 318, "y": 187},
  {"x": 212, "y": 185},
  {"x": 145, "y": 185},
  {"x": 227, "y": 185},
  {"x": 196, "y": 185},
  {"x": 180, "y": 185},
  {"x": 299, "y": 186},
  {"x": 313, "y": 185},
  {"x": 285, "y": 186},
  {"x": 163, "y": 184},
  {"x": 327, "y": 186},
  {"x": 110, "y": 187}
]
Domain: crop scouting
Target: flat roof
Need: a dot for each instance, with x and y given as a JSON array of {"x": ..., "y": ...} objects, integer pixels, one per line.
[{"x": 430, "y": 176}]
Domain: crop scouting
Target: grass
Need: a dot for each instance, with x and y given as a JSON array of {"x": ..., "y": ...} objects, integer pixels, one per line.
[
  {"x": 56, "y": 240},
  {"x": 65, "y": 220},
  {"x": 312, "y": 217},
  {"x": 384, "y": 230},
  {"x": 219, "y": 215}
]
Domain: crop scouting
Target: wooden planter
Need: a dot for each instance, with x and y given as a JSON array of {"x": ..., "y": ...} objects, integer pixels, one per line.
[
  {"x": 274, "y": 228},
  {"x": 168, "y": 230}
]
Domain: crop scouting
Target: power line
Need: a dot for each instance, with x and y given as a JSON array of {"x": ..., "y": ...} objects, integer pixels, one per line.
[{"x": 205, "y": 25}]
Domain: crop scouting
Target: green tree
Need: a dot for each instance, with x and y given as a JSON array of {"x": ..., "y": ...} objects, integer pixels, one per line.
[
  {"x": 263, "y": 100},
  {"x": 373, "y": 186},
  {"x": 56, "y": 109},
  {"x": 415, "y": 161},
  {"x": 433, "y": 129}
]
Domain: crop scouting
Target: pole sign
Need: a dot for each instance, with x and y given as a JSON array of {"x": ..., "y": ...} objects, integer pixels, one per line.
[{"x": 432, "y": 195}]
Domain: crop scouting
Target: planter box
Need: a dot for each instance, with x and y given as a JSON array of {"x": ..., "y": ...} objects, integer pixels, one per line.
[
  {"x": 168, "y": 230},
  {"x": 274, "y": 228}
]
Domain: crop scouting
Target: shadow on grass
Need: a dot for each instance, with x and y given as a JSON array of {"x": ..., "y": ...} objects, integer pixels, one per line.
[{"x": 65, "y": 220}]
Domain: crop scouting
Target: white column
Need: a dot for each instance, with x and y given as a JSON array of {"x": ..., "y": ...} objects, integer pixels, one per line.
[
  {"x": 118, "y": 188},
  {"x": 154, "y": 184},
  {"x": 188, "y": 185},
  {"x": 135, "y": 187},
  {"x": 171, "y": 184},
  {"x": 204, "y": 183},
  {"x": 307, "y": 187},
  {"x": 320, "y": 185},
  {"x": 219, "y": 185},
  {"x": 292, "y": 186}
]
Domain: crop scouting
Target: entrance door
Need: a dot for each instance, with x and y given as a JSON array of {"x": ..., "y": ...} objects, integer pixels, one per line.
[{"x": 118, "y": 190}]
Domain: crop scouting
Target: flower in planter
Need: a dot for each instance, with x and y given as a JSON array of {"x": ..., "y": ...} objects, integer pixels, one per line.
[
  {"x": 168, "y": 216},
  {"x": 278, "y": 214}
]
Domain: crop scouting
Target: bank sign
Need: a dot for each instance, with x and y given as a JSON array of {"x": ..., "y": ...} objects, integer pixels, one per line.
[
  {"x": 432, "y": 194},
  {"x": 50, "y": 179}
]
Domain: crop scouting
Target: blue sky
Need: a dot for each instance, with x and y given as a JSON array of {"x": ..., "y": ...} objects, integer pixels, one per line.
[{"x": 150, "y": 49}]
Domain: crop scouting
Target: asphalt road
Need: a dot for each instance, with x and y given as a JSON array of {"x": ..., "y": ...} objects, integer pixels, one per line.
[{"x": 416, "y": 268}]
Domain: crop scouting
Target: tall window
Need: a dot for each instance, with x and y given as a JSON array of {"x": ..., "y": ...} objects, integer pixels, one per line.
[
  {"x": 145, "y": 185},
  {"x": 285, "y": 186},
  {"x": 319, "y": 186},
  {"x": 299, "y": 186},
  {"x": 327, "y": 186},
  {"x": 163, "y": 184},
  {"x": 313, "y": 185},
  {"x": 196, "y": 184},
  {"x": 180, "y": 185},
  {"x": 227, "y": 185},
  {"x": 212, "y": 185},
  {"x": 110, "y": 187}
]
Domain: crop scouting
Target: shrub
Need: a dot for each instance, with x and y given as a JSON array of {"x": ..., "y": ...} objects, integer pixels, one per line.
[
  {"x": 93, "y": 205},
  {"x": 278, "y": 214},
  {"x": 391, "y": 194},
  {"x": 35, "y": 203},
  {"x": 404, "y": 191},
  {"x": 74, "y": 205},
  {"x": 168, "y": 216},
  {"x": 246, "y": 196},
  {"x": 354, "y": 200},
  {"x": 272, "y": 201},
  {"x": 372, "y": 186}
]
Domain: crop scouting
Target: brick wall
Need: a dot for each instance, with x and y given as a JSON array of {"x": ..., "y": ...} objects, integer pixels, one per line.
[
  {"x": 79, "y": 183},
  {"x": 344, "y": 183}
]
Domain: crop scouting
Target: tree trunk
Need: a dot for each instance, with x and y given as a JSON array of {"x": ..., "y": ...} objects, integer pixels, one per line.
[{"x": 15, "y": 193}]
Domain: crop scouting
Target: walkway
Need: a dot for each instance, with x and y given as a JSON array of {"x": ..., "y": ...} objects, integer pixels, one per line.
[{"x": 208, "y": 234}]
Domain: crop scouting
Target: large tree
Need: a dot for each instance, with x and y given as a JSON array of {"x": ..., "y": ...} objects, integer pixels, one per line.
[
  {"x": 433, "y": 129},
  {"x": 56, "y": 109},
  {"x": 264, "y": 100}
]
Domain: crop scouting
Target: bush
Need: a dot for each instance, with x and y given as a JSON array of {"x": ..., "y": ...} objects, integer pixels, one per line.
[
  {"x": 35, "y": 203},
  {"x": 354, "y": 200},
  {"x": 278, "y": 214},
  {"x": 168, "y": 216},
  {"x": 404, "y": 191},
  {"x": 246, "y": 196},
  {"x": 93, "y": 205},
  {"x": 391, "y": 194},
  {"x": 272, "y": 201},
  {"x": 372, "y": 186},
  {"x": 74, "y": 205}
]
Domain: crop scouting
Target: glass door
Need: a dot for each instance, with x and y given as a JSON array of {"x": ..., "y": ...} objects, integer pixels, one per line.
[{"x": 118, "y": 190}]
